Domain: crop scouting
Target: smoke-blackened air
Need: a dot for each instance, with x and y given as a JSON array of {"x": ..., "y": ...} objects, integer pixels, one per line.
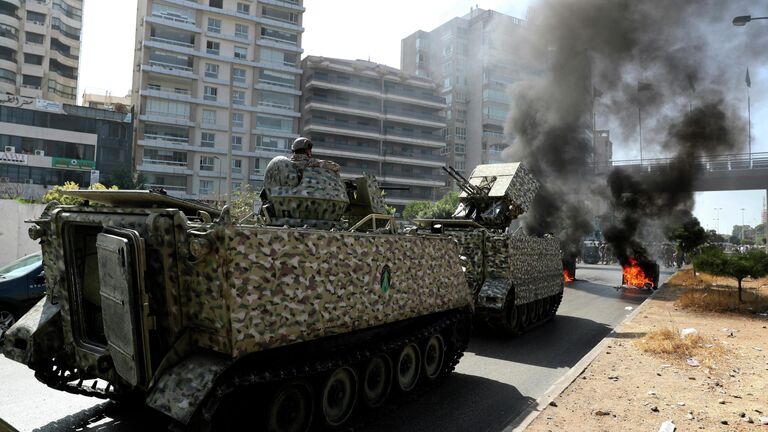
[{"x": 680, "y": 63}]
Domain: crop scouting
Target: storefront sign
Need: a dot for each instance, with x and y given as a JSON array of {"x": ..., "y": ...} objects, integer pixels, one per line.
[
  {"x": 47, "y": 105},
  {"x": 73, "y": 163},
  {"x": 14, "y": 158},
  {"x": 94, "y": 177}
]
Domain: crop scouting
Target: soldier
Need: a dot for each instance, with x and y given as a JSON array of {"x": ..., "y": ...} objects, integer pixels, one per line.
[{"x": 284, "y": 172}]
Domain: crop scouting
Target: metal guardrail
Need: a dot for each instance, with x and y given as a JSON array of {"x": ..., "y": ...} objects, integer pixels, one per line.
[{"x": 726, "y": 162}]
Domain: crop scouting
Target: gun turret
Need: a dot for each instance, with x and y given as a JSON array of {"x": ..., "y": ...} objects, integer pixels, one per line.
[{"x": 494, "y": 195}]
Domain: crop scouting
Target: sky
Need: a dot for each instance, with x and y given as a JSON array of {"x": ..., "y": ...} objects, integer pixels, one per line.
[{"x": 371, "y": 29}]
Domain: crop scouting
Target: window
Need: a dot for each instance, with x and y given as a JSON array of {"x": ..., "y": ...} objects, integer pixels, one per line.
[
  {"x": 206, "y": 187},
  {"x": 154, "y": 87},
  {"x": 236, "y": 187},
  {"x": 214, "y": 25},
  {"x": 238, "y": 120},
  {"x": 164, "y": 108},
  {"x": 241, "y": 31},
  {"x": 212, "y": 47},
  {"x": 207, "y": 139},
  {"x": 238, "y": 76},
  {"x": 182, "y": 91},
  {"x": 241, "y": 52},
  {"x": 276, "y": 57},
  {"x": 238, "y": 97},
  {"x": 211, "y": 93},
  {"x": 33, "y": 59},
  {"x": 30, "y": 81},
  {"x": 275, "y": 100},
  {"x": 274, "y": 123},
  {"x": 237, "y": 143},
  {"x": 280, "y": 15},
  {"x": 206, "y": 163},
  {"x": 277, "y": 79},
  {"x": 279, "y": 36},
  {"x": 209, "y": 117},
  {"x": 35, "y": 18},
  {"x": 461, "y": 132},
  {"x": 269, "y": 142},
  {"x": 66, "y": 30},
  {"x": 216, "y": 3},
  {"x": 211, "y": 70},
  {"x": 459, "y": 165},
  {"x": 7, "y": 76},
  {"x": 244, "y": 8},
  {"x": 237, "y": 166},
  {"x": 35, "y": 38}
]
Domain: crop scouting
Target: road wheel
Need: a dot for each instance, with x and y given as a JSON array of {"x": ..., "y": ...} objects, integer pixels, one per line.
[
  {"x": 377, "y": 380},
  {"x": 338, "y": 396},
  {"x": 513, "y": 318},
  {"x": 291, "y": 408},
  {"x": 7, "y": 319},
  {"x": 434, "y": 354},
  {"x": 408, "y": 367},
  {"x": 525, "y": 317}
]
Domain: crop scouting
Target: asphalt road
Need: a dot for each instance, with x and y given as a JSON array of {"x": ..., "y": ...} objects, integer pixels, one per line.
[{"x": 497, "y": 379}]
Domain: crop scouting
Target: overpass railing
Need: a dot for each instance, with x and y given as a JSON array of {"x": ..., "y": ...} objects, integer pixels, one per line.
[{"x": 726, "y": 162}]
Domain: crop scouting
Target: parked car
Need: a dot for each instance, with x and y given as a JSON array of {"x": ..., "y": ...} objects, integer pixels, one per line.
[{"x": 22, "y": 284}]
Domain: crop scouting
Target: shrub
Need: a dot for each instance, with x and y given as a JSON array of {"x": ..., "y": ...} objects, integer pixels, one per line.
[
  {"x": 739, "y": 266},
  {"x": 55, "y": 193}
]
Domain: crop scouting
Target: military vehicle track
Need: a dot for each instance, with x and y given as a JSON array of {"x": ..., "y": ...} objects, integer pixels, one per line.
[
  {"x": 522, "y": 318},
  {"x": 239, "y": 389}
]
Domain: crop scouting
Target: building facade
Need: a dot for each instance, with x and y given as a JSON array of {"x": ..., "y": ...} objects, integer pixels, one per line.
[
  {"x": 40, "y": 48},
  {"x": 373, "y": 118},
  {"x": 216, "y": 91},
  {"x": 472, "y": 60},
  {"x": 107, "y": 101},
  {"x": 45, "y": 143}
]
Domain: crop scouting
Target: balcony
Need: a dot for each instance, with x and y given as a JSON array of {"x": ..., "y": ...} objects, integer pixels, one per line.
[
  {"x": 167, "y": 118},
  {"x": 169, "y": 69},
  {"x": 165, "y": 166},
  {"x": 333, "y": 127},
  {"x": 436, "y": 158},
  {"x": 430, "y": 140},
  {"x": 350, "y": 108},
  {"x": 173, "y": 42},
  {"x": 344, "y": 85},
  {"x": 171, "y": 19},
  {"x": 287, "y": 4},
  {"x": 169, "y": 188}
]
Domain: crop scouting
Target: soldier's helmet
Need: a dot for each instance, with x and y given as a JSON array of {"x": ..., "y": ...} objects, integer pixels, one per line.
[{"x": 301, "y": 143}]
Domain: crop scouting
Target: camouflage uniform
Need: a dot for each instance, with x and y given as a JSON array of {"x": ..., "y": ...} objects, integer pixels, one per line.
[{"x": 282, "y": 171}]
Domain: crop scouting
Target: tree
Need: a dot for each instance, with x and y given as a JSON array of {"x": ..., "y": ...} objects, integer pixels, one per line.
[
  {"x": 55, "y": 193},
  {"x": 241, "y": 205},
  {"x": 123, "y": 178},
  {"x": 688, "y": 236},
  {"x": 714, "y": 261},
  {"x": 442, "y": 209}
]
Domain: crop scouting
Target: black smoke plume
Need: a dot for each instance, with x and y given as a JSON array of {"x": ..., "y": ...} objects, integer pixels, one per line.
[{"x": 681, "y": 62}]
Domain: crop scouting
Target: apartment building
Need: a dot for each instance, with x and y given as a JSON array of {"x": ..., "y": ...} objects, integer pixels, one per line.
[
  {"x": 216, "y": 90},
  {"x": 374, "y": 118},
  {"x": 40, "y": 48},
  {"x": 46, "y": 143},
  {"x": 107, "y": 101},
  {"x": 473, "y": 60}
]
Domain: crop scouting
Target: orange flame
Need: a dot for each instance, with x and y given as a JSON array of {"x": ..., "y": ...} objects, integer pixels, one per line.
[
  {"x": 567, "y": 276},
  {"x": 635, "y": 276}
]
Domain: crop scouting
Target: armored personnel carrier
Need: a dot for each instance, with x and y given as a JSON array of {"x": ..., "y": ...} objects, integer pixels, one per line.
[
  {"x": 318, "y": 311},
  {"x": 516, "y": 279}
]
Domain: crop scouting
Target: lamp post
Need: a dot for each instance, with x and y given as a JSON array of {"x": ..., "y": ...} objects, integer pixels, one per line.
[
  {"x": 717, "y": 219},
  {"x": 742, "y": 225},
  {"x": 218, "y": 182},
  {"x": 741, "y": 21}
]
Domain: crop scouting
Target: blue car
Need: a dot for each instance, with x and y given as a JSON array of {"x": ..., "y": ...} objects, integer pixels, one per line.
[{"x": 22, "y": 284}]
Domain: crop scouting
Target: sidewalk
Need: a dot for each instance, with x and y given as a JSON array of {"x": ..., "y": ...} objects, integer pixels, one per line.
[{"x": 627, "y": 388}]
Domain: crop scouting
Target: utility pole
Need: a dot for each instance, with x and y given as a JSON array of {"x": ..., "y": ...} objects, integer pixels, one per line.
[
  {"x": 742, "y": 225},
  {"x": 717, "y": 219}
]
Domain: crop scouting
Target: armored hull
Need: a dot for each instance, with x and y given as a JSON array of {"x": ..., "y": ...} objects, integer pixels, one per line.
[
  {"x": 195, "y": 316},
  {"x": 517, "y": 280}
]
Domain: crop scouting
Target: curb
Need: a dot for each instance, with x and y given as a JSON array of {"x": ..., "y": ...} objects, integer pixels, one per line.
[{"x": 522, "y": 421}]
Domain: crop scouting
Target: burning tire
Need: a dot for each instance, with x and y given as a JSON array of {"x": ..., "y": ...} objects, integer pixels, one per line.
[{"x": 641, "y": 273}]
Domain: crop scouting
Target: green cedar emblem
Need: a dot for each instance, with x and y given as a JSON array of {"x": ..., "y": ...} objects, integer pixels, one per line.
[{"x": 385, "y": 277}]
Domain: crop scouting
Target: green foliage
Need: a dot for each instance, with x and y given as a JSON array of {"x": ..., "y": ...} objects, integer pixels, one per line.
[
  {"x": 125, "y": 179},
  {"x": 241, "y": 205},
  {"x": 688, "y": 236},
  {"x": 55, "y": 193},
  {"x": 442, "y": 209},
  {"x": 714, "y": 261}
]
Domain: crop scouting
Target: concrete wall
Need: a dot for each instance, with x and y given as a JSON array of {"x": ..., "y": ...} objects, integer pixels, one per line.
[{"x": 14, "y": 241}]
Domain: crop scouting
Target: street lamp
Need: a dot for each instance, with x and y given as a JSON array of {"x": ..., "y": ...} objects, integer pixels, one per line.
[
  {"x": 741, "y": 21},
  {"x": 717, "y": 219}
]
